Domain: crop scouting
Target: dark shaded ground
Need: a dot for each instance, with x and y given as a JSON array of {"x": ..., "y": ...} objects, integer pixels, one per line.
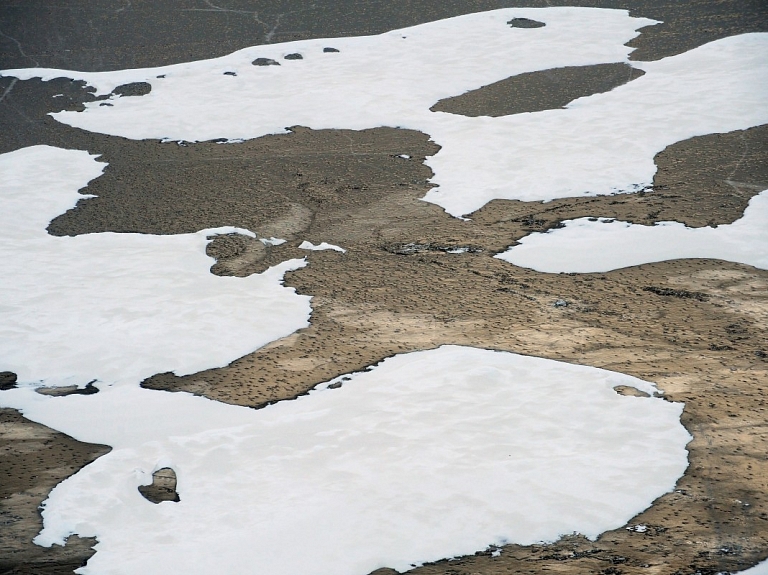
[
  {"x": 162, "y": 488},
  {"x": 98, "y": 35},
  {"x": 537, "y": 91},
  {"x": 33, "y": 459},
  {"x": 396, "y": 289}
]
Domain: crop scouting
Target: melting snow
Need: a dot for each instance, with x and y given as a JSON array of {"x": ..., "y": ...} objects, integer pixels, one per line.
[
  {"x": 428, "y": 455},
  {"x": 586, "y": 246},
  {"x": 305, "y": 245},
  {"x": 273, "y": 241}
]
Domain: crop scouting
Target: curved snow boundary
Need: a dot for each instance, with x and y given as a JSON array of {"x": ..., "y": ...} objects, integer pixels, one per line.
[
  {"x": 601, "y": 144},
  {"x": 119, "y": 307},
  {"x": 426, "y": 455},
  {"x": 306, "y": 245},
  {"x": 585, "y": 246}
]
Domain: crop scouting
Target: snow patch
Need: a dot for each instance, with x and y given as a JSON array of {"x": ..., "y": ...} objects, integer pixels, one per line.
[
  {"x": 305, "y": 245},
  {"x": 427, "y": 455}
]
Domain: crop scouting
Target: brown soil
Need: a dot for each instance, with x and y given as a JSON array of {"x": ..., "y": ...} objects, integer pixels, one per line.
[
  {"x": 33, "y": 460},
  {"x": 536, "y": 91}
]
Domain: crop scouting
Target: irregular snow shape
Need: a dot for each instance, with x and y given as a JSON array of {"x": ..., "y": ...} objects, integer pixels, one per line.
[
  {"x": 272, "y": 241},
  {"x": 586, "y": 246},
  {"x": 119, "y": 307},
  {"x": 305, "y": 245},
  {"x": 601, "y": 144},
  {"x": 428, "y": 455}
]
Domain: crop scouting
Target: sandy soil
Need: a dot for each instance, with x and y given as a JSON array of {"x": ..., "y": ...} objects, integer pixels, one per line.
[{"x": 697, "y": 328}]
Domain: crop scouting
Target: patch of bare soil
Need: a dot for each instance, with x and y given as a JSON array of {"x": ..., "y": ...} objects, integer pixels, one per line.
[
  {"x": 536, "y": 91},
  {"x": 33, "y": 460}
]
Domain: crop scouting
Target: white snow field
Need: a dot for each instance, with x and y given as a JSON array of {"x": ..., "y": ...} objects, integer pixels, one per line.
[
  {"x": 600, "y": 144},
  {"x": 119, "y": 307},
  {"x": 585, "y": 246},
  {"x": 428, "y": 455}
]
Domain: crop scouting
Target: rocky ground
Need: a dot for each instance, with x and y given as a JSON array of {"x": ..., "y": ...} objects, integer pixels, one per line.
[{"x": 697, "y": 328}]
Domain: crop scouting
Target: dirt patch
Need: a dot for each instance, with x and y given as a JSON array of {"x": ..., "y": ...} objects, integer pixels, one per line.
[
  {"x": 34, "y": 460},
  {"x": 275, "y": 185},
  {"x": 536, "y": 91}
]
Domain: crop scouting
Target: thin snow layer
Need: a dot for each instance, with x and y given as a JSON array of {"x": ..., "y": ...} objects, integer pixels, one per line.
[
  {"x": 119, "y": 307},
  {"x": 428, "y": 455},
  {"x": 600, "y": 144},
  {"x": 305, "y": 245},
  {"x": 586, "y": 246}
]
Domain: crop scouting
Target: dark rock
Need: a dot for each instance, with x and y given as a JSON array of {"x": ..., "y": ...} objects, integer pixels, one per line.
[
  {"x": 681, "y": 293},
  {"x": 329, "y": 49},
  {"x": 265, "y": 62},
  {"x": 133, "y": 89},
  {"x": 163, "y": 487},
  {"x": 525, "y": 23},
  {"x": 294, "y": 56},
  {"x": 230, "y": 73},
  {"x": 89, "y": 389},
  {"x": 7, "y": 380}
]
